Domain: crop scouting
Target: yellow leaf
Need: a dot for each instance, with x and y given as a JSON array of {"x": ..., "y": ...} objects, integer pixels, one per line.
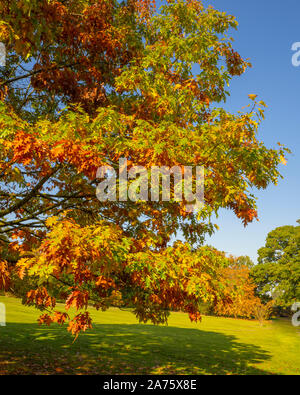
[
  {"x": 283, "y": 160},
  {"x": 252, "y": 97},
  {"x": 51, "y": 221}
]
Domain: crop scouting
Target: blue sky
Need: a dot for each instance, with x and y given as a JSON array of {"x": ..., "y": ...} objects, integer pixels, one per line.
[{"x": 267, "y": 29}]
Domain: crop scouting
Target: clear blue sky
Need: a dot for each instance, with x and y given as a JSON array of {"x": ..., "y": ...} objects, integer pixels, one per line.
[{"x": 267, "y": 29}]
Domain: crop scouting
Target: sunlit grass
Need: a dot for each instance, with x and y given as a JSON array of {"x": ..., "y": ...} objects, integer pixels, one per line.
[{"x": 119, "y": 345}]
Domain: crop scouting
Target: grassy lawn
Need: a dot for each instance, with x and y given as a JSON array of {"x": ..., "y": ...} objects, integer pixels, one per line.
[{"x": 119, "y": 345}]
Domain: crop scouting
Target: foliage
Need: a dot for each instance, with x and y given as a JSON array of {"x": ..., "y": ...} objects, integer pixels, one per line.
[
  {"x": 278, "y": 271},
  {"x": 244, "y": 301},
  {"x": 98, "y": 264},
  {"x": 89, "y": 82}
]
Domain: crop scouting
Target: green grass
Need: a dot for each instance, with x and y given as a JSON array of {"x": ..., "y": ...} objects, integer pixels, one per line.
[{"x": 119, "y": 345}]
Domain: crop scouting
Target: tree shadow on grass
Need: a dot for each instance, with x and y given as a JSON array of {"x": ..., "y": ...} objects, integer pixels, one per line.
[{"x": 125, "y": 349}]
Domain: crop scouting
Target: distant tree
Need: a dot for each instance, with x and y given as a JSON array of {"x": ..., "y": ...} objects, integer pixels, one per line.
[
  {"x": 263, "y": 311},
  {"x": 242, "y": 292},
  {"x": 278, "y": 271},
  {"x": 245, "y": 261}
]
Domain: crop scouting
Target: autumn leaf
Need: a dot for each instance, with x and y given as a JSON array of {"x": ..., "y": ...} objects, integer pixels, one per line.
[
  {"x": 283, "y": 160},
  {"x": 51, "y": 221},
  {"x": 252, "y": 97}
]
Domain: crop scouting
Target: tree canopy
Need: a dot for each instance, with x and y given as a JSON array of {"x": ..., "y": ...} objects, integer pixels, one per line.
[{"x": 89, "y": 82}]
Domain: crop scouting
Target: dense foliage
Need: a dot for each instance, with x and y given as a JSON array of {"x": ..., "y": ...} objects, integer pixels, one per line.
[
  {"x": 89, "y": 82},
  {"x": 278, "y": 271}
]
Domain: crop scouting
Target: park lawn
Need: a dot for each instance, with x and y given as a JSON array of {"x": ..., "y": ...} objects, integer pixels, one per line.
[{"x": 119, "y": 345}]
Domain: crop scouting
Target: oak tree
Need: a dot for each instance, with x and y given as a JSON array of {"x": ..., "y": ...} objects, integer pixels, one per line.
[{"x": 89, "y": 82}]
